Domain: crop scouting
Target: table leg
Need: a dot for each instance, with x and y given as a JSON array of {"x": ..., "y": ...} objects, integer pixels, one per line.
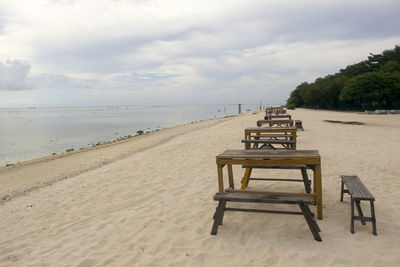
[
  {"x": 295, "y": 140},
  {"x": 220, "y": 178},
  {"x": 318, "y": 189},
  {"x": 246, "y": 177},
  {"x": 230, "y": 177}
]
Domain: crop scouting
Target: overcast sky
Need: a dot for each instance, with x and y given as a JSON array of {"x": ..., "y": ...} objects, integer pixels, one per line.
[{"x": 116, "y": 52}]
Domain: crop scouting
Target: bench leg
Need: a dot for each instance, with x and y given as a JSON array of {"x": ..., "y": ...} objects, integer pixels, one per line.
[
  {"x": 341, "y": 192},
  {"x": 218, "y": 216},
  {"x": 313, "y": 216},
  {"x": 314, "y": 228},
  {"x": 357, "y": 203},
  {"x": 306, "y": 180},
  {"x": 374, "y": 232},
  {"x": 352, "y": 216}
]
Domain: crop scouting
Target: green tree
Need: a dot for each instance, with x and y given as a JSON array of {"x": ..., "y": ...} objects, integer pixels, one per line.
[
  {"x": 372, "y": 83},
  {"x": 295, "y": 100},
  {"x": 390, "y": 66},
  {"x": 372, "y": 90}
]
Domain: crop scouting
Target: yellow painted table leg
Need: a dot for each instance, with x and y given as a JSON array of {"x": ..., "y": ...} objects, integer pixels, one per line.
[{"x": 246, "y": 177}]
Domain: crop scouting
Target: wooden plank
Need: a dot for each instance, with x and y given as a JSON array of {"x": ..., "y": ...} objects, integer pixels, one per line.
[
  {"x": 271, "y": 123},
  {"x": 271, "y": 135},
  {"x": 318, "y": 189},
  {"x": 230, "y": 176},
  {"x": 270, "y": 129},
  {"x": 263, "y": 162},
  {"x": 269, "y": 141},
  {"x": 356, "y": 188},
  {"x": 262, "y": 198},
  {"x": 272, "y": 117},
  {"x": 220, "y": 178},
  {"x": 246, "y": 177},
  {"x": 272, "y": 192},
  {"x": 269, "y": 154}
]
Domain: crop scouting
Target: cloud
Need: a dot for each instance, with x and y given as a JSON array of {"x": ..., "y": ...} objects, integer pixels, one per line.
[
  {"x": 190, "y": 51},
  {"x": 135, "y": 77},
  {"x": 13, "y": 75},
  {"x": 61, "y": 82}
]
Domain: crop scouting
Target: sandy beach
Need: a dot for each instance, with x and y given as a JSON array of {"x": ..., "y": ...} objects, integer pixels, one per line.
[{"x": 147, "y": 201}]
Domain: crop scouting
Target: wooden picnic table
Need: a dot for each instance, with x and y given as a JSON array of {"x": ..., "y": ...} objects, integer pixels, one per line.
[
  {"x": 274, "y": 117},
  {"x": 268, "y": 134},
  {"x": 275, "y": 123},
  {"x": 276, "y": 110},
  {"x": 272, "y": 158}
]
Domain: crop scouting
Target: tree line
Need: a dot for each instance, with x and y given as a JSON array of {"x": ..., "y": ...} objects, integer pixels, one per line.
[{"x": 370, "y": 84}]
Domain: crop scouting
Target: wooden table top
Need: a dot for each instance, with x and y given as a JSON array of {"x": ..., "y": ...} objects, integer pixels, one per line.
[
  {"x": 276, "y": 121},
  {"x": 280, "y": 116},
  {"x": 269, "y": 129},
  {"x": 269, "y": 154}
]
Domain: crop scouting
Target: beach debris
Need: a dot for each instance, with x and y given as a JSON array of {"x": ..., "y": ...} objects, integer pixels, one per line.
[
  {"x": 382, "y": 111},
  {"x": 54, "y": 153},
  {"x": 346, "y": 122},
  {"x": 140, "y": 132},
  {"x": 69, "y": 150}
]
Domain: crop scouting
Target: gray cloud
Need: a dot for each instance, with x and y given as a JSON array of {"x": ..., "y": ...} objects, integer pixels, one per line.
[
  {"x": 60, "y": 82},
  {"x": 191, "y": 52},
  {"x": 149, "y": 43},
  {"x": 143, "y": 77},
  {"x": 13, "y": 75}
]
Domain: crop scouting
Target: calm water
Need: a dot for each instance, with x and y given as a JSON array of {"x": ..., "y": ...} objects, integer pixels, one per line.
[{"x": 35, "y": 132}]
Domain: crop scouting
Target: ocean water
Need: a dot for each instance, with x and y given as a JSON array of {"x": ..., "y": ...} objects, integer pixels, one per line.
[{"x": 28, "y": 133}]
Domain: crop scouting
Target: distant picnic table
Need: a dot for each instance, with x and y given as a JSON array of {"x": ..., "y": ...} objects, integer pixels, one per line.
[
  {"x": 275, "y": 110},
  {"x": 270, "y": 138},
  {"x": 274, "y": 117},
  {"x": 275, "y": 123}
]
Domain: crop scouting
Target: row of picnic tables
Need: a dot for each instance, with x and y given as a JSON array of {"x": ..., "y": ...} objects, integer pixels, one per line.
[{"x": 272, "y": 145}]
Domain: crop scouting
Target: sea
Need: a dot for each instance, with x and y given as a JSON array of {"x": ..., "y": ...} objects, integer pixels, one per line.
[{"x": 29, "y": 133}]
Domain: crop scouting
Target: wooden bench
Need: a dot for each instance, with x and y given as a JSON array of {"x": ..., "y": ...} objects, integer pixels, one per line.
[
  {"x": 358, "y": 191},
  {"x": 265, "y": 197},
  {"x": 298, "y": 124}
]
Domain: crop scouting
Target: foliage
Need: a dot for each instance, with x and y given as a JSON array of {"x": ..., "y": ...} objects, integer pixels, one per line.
[{"x": 370, "y": 84}]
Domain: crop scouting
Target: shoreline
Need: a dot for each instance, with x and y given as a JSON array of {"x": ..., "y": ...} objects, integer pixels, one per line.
[
  {"x": 25, "y": 138},
  {"x": 7, "y": 194},
  {"x": 116, "y": 141}
]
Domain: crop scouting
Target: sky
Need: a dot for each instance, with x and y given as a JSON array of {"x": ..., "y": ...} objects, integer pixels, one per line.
[{"x": 139, "y": 52}]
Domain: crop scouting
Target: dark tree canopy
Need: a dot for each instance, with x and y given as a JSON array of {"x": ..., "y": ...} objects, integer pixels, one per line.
[{"x": 371, "y": 84}]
